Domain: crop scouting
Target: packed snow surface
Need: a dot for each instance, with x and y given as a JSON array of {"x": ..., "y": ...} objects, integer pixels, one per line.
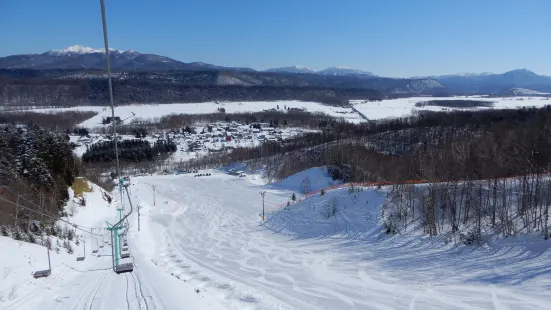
[
  {"x": 202, "y": 245},
  {"x": 206, "y": 231}
]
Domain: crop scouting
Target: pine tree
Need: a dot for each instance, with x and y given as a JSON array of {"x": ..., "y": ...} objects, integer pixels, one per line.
[
  {"x": 30, "y": 237},
  {"x": 17, "y": 234},
  {"x": 70, "y": 234},
  {"x": 4, "y": 231}
]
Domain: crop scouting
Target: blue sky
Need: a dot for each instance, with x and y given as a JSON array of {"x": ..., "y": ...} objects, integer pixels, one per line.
[{"x": 387, "y": 37}]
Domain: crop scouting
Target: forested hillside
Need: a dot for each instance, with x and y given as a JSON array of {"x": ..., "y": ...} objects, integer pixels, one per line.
[
  {"x": 57, "y": 87},
  {"x": 39, "y": 166}
]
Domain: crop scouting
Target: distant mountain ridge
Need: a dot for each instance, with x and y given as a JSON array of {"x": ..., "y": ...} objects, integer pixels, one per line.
[
  {"x": 84, "y": 59},
  {"x": 292, "y": 69},
  {"x": 81, "y": 57},
  {"x": 488, "y": 83},
  {"x": 335, "y": 70}
]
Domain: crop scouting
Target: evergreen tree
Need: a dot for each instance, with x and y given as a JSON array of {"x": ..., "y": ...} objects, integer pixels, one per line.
[{"x": 4, "y": 231}]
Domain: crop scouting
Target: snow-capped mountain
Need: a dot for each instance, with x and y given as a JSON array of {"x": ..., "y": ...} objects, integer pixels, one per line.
[
  {"x": 74, "y": 49},
  {"x": 81, "y": 57},
  {"x": 292, "y": 69},
  {"x": 343, "y": 71},
  {"x": 464, "y": 74},
  {"x": 335, "y": 71}
]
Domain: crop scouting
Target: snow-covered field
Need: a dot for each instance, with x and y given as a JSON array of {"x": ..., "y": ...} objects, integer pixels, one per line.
[
  {"x": 202, "y": 245},
  {"x": 406, "y": 106},
  {"x": 371, "y": 110},
  {"x": 150, "y": 111}
]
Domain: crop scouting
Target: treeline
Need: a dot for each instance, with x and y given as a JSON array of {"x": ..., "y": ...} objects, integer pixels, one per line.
[
  {"x": 456, "y": 103},
  {"x": 38, "y": 165},
  {"x": 134, "y": 150},
  {"x": 4, "y": 108},
  {"x": 472, "y": 208},
  {"x": 178, "y": 122},
  {"x": 48, "y": 90},
  {"x": 56, "y": 121}
]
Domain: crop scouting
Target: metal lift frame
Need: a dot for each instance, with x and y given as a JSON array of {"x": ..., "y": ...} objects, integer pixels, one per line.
[
  {"x": 81, "y": 258},
  {"x": 44, "y": 273}
]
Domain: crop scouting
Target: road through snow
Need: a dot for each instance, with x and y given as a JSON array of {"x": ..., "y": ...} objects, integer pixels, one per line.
[{"x": 207, "y": 232}]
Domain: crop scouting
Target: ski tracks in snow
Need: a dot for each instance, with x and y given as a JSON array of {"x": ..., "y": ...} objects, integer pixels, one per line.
[
  {"x": 139, "y": 301},
  {"x": 43, "y": 284},
  {"x": 211, "y": 238}
]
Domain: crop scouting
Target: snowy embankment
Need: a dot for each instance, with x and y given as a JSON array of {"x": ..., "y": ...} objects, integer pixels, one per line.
[
  {"x": 306, "y": 181},
  {"x": 406, "y": 106},
  {"x": 503, "y": 274},
  {"x": 336, "y": 213}
]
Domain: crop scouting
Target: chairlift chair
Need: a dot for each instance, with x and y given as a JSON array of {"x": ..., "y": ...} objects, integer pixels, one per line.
[
  {"x": 44, "y": 273},
  {"x": 81, "y": 258},
  {"x": 122, "y": 268},
  {"x": 125, "y": 255},
  {"x": 125, "y": 249}
]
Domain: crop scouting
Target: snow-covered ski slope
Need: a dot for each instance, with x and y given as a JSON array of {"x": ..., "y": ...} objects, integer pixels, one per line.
[
  {"x": 207, "y": 232},
  {"x": 89, "y": 284},
  {"x": 202, "y": 245}
]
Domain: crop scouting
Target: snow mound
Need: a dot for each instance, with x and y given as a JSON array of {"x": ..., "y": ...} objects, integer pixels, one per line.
[
  {"x": 312, "y": 179},
  {"x": 350, "y": 213}
]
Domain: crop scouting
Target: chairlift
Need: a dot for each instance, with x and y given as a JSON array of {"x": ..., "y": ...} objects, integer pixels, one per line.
[
  {"x": 125, "y": 255},
  {"x": 81, "y": 258},
  {"x": 125, "y": 249},
  {"x": 122, "y": 268},
  {"x": 44, "y": 273},
  {"x": 94, "y": 251}
]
